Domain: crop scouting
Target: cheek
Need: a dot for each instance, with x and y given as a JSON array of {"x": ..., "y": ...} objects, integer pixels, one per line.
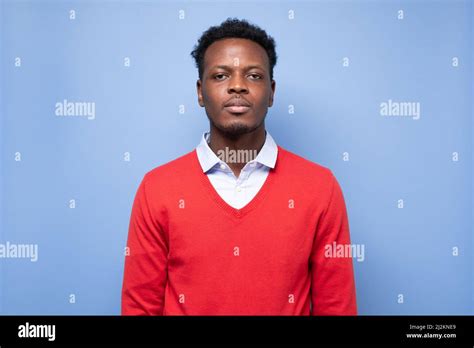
[
  {"x": 213, "y": 99},
  {"x": 263, "y": 100},
  {"x": 263, "y": 95}
]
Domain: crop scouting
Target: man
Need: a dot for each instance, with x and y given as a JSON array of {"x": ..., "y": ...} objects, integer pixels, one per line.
[{"x": 213, "y": 235}]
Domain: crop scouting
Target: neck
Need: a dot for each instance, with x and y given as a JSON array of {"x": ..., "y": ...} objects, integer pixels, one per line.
[{"x": 251, "y": 142}]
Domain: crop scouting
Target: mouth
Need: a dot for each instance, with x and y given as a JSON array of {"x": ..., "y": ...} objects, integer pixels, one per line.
[{"x": 237, "y": 109}]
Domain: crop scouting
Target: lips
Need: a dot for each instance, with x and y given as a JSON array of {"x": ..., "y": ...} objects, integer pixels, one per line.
[{"x": 237, "y": 106}]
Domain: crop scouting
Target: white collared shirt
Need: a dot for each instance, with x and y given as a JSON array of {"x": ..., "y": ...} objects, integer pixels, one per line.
[{"x": 237, "y": 192}]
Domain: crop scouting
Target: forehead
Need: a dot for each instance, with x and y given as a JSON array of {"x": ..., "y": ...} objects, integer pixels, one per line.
[{"x": 226, "y": 50}]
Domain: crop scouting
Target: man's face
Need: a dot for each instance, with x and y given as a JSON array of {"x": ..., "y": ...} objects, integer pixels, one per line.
[{"x": 236, "y": 89}]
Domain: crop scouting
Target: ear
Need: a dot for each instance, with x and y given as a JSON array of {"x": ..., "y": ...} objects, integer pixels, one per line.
[
  {"x": 270, "y": 101},
  {"x": 199, "y": 92}
]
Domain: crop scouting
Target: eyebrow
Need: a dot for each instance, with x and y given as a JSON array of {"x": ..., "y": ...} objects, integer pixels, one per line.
[{"x": 227, "y": 67}]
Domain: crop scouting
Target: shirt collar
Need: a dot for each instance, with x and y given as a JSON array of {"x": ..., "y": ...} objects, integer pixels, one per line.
[{"x": 267, "y": 155}]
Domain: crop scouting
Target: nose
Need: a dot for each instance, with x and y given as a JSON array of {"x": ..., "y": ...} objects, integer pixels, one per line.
[{"x": 237, "y": 84}]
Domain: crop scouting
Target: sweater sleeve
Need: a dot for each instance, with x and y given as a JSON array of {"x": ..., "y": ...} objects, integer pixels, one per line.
[
  {"x": 332, "y": 278},
  {"x": 145, "y": 274}
]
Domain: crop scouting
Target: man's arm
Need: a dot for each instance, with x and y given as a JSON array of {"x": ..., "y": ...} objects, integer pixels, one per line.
[
  {"x": 145, "y": 275},
  {"x": 332, "y": 278}
]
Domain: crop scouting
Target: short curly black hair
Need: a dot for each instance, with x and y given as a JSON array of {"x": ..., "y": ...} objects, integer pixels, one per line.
[{"x": 234, "y": 28}]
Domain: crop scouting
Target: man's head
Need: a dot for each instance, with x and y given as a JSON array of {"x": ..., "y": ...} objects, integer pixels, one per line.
[{"x": 235, "y": 61}]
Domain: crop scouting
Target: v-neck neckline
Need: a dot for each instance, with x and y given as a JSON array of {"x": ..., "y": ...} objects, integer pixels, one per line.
[{"x": 234, "y": 212}]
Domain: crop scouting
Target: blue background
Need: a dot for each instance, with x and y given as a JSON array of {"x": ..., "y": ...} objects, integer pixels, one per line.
[{"x": 337, "y": 109}]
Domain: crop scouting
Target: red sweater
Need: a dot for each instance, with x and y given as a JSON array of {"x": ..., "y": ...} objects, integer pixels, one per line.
[{"x": 190, "y": 253}]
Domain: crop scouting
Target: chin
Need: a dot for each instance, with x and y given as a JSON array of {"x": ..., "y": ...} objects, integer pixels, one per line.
[
  {"x": 236, "y": 125},
  {"x": 235, "y": 129}
]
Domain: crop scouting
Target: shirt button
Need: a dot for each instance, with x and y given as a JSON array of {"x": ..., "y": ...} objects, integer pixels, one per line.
[
  {"x": 239, "y": 189},
  {"x": 222, "y": 166}
]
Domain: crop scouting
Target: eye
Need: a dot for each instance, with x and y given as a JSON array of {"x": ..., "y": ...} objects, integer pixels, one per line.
[
  {"x": 256, "y": 76},
  {"x": 217, "y": 77}
]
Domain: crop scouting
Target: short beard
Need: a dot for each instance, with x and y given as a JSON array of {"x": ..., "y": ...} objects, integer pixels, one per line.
[{"x": 235, "y": 130}]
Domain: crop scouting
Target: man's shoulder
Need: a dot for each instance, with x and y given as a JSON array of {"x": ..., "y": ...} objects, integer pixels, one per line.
[
  {"x": 301, "y": 165},
  {"x": 174, "y": 169},
  {"x": 304, "y": 174}
]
